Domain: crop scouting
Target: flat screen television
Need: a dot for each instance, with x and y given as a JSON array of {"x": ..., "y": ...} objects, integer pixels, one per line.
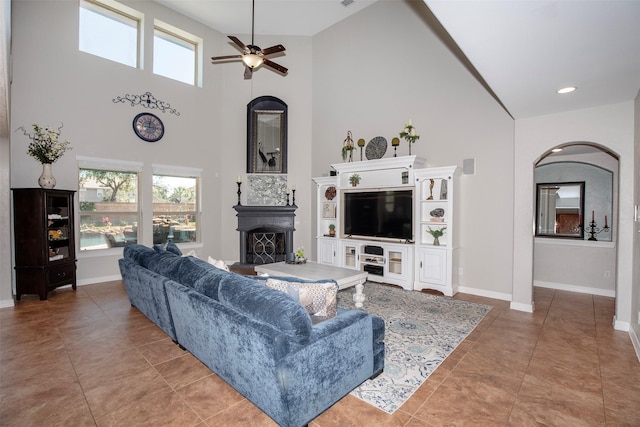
[{"x": 379, "y": 213}]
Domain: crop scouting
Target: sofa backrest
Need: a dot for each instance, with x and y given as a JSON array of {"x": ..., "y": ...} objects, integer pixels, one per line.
[{"x": 266, "y": 305}]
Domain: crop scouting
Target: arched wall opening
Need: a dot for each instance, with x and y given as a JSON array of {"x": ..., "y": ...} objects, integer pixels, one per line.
[{"x": 584, "y": 262}]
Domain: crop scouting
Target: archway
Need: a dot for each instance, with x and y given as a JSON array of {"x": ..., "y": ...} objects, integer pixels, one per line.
[{"x": 583, "y": 262}]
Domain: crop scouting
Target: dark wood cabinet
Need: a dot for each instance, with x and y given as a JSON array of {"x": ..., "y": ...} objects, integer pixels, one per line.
[{"x": 45, "y": 254}]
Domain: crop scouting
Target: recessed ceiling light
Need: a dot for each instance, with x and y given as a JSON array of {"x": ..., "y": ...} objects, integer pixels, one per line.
[
  {"x": 568, "y": 89},
  {"x": 556, "y": 150}
]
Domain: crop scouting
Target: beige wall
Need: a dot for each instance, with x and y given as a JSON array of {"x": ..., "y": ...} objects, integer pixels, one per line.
[
  {"x": 54, "y": 82},
  {"x": 610, "y": 126},
  {"x": 382, "y": 66}
]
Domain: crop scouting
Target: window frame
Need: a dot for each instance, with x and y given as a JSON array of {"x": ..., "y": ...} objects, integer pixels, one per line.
[
  {"x": 176, "y": 35},
  {"x": 182, "y": 172},
  {"x": 115, "y": 166},
  {"x": 121, "y": 13}
]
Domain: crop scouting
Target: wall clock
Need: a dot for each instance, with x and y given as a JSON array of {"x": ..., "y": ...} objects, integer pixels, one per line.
[{"x": 148, "y": 127}]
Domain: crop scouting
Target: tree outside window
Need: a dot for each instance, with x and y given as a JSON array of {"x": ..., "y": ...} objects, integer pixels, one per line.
[
  {"x": 109, "y": 208},
  {"x": 175, "y": 209}
]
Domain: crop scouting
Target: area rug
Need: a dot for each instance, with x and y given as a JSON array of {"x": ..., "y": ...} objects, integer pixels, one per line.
[{"x": 421, "y": 330}]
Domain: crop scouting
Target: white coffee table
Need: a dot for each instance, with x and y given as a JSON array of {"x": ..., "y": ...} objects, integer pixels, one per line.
[{"x": 313, "y": 271}]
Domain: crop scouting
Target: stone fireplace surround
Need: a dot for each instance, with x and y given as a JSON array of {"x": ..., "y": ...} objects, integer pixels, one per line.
[{"x": 265, "y": 219}]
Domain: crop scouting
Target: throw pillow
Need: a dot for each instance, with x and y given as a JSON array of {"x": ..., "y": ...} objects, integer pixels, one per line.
[
  {"x": 218, "y": 263},
  {"x": 318, "y": 298},
  {"x": 169, "y": 247}
]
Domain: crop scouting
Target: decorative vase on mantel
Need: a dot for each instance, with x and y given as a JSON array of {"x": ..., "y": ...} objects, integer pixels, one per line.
[{"x": 46, "y": 179}]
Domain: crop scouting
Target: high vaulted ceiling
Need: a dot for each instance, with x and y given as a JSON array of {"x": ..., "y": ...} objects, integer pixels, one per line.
[{"x": 523, "y": 49}]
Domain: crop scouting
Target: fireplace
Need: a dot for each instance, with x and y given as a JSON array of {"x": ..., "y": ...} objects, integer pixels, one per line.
[{"x": 266, "y": 233}]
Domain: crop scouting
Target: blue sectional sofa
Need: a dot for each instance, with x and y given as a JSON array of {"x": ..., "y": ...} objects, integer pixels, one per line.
[{"x": 259, "y": 340}]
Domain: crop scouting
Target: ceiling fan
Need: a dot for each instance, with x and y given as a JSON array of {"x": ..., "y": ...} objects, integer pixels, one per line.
[{"x": 252, "y": 55}]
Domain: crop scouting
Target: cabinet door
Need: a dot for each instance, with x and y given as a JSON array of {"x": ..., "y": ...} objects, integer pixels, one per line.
[
  {"x": 433, "y": 266},
  {"x": 327, "y": 249},
  {"x": 349, "y": 254}
]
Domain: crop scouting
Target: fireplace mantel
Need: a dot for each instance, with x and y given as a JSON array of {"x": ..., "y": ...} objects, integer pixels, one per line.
[{"x": 279, "y": 219}]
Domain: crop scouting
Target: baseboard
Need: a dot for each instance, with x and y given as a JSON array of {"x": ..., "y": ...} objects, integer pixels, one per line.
[
  {"x": 484, "y": 293},
  {"x": 635, "y": 341},
  {"x": 6, "y": 303},
  {"x": 619, "y": 325},
  {"x": 527, "y": 308},
  {"x": 574, "y": 288},
  {"x": 94, "y": 280}
]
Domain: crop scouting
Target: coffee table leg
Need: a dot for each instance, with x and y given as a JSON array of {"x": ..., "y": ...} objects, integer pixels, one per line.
[{"x": 359, "y": 297}]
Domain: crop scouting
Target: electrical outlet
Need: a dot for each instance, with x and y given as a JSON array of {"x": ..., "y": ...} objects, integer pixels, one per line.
[
  {"x": 607, "y": 274},
  {"x": 639, "y": 318}
]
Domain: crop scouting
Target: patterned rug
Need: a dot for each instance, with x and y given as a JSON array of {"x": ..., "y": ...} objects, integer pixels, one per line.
[{"x": 421, "y": 331}]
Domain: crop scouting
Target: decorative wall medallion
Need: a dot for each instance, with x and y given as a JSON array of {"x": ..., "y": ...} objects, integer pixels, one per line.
[
  {"x": 376, "y": 148},
  {"x": 330, "y": 193}
]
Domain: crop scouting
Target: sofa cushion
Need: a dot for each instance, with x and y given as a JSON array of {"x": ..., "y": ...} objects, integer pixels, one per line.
[
  {"x": 166, "y": 264},
  {"x": 318, "y": 298},
  {"x": 266, "y": 305},
  {"x": 138, "y": 254},
  {"x": 201, "y": 276}
]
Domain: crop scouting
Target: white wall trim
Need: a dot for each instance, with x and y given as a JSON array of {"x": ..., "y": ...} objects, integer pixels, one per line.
[
  {"x": 6, "y": 303},
  {"x": 619, "y": 325},
  {"x": 94, "y": 280},
  {"x": 573, "y": 288},
  {"x": 527, "y": 308},
  {"x": 635, "y": 341},
  {"x": 484, "y": 293}
]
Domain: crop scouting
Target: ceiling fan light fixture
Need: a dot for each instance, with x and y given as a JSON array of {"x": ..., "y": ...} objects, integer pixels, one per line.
[
  {"x": 252, "y": 60},
  {"x": 567, "y": 89}
]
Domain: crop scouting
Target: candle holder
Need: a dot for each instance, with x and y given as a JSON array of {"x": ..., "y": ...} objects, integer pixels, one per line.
[
  {"x": 360, "y": 144},
  {"x": 239, "y": 193},
  {"x": 288, "y": 199},
  {"x": 593, "y": 230},
  {"x": 395, "y": 142},
  {"x": 293, "y": 195}
]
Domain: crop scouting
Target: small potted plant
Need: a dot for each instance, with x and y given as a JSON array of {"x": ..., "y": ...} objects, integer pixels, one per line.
[
  {"x": 300, "y": 255},
  {"x": 332, "y": 229},
  {"x": 354, "y": 179},
  {"x": 437, "y": 233}
]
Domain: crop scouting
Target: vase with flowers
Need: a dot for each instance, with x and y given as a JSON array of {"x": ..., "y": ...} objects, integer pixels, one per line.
[
  {"x": 409, "y": 134},
  {"x": 437, "y": 233},
  {"x": 46, "y": 147}
]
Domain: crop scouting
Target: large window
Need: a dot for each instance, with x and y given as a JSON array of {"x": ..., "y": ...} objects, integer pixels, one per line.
[
  {"x": 176, "y": 210},
  {"x": 175, "y": 53},
  {"x": 110, "y": 30},
  {"x": 109, "y": 207}
]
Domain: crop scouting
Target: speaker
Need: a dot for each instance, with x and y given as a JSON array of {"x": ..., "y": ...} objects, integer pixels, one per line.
[
  {"x": 373, "y": 250},
  {"x": 469, "y": 166}
]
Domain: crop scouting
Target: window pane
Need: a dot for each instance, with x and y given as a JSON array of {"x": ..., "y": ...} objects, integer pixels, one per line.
[
  {"x": 175, "y": 209},
  {"x": 108, "y": 34},
  {"x": 174, "y": 57},
  {"x": 109, "y": 212}
]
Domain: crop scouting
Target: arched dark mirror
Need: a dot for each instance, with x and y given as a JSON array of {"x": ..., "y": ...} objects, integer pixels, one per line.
[{"x": 267, "y": 135}]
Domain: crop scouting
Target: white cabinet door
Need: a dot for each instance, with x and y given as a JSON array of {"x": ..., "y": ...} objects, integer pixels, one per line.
[
  {"x": 432, "y": 265},
  {"x": 350, "y": 255},
  {"x": 327, "y": 249}
]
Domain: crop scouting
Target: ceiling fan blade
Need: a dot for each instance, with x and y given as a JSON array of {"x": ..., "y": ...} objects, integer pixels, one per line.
[
  {"x": 273, "y": 49},
  {"x": 248, "y": 73},
  {"x": 218, "y": 58},
  {"x": 238, "y": 42},
  {"x": 275, "y": 66}
]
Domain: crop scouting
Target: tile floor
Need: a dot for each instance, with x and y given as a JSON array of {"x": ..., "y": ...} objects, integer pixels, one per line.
[{"x": 86, "y": 358}]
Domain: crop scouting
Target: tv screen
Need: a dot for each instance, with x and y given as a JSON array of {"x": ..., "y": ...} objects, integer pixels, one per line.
[{"x": 387, "y": 214}]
